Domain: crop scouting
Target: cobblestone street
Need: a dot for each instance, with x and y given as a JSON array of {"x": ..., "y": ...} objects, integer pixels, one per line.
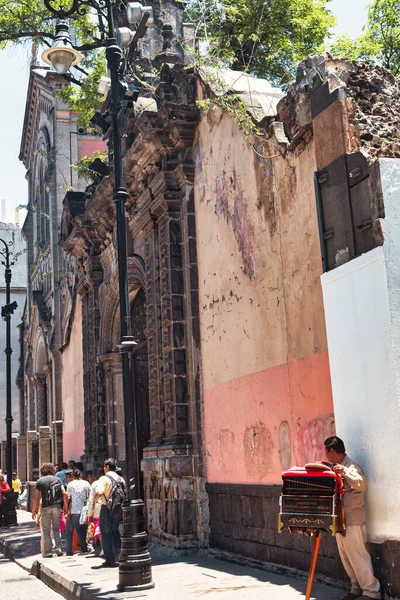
[{"x": 16, "y": 583}]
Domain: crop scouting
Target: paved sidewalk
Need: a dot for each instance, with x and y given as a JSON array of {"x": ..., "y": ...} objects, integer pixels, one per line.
[{"x": 191, "y": 578}]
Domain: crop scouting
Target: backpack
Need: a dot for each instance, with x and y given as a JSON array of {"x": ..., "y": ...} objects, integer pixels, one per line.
[
  {"x": 117, "y": 495},
  {"x": 54, "y": 493}
]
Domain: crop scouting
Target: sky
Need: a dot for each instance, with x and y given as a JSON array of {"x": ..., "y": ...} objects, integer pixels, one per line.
[{"x": 14, "y": 74}]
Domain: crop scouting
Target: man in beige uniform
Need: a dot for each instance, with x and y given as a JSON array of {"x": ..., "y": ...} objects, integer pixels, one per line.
[{"x": 352, "y": 549}]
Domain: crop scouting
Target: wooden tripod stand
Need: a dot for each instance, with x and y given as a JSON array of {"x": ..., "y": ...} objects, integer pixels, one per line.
[{"x": 313, "y": 564}]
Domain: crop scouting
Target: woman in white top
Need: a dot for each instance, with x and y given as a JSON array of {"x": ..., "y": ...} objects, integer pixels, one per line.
[{"x": 78, "y": 492}]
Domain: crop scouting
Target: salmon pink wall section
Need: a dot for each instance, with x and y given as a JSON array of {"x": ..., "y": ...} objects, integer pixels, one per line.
[
  {"x": 73, "y": 444},
  {"x": 86, "y": 147},
  {"x": 260, "y": 424},
  {"x": 267, "y": 394},
  {"x": 72, "y": 389}
]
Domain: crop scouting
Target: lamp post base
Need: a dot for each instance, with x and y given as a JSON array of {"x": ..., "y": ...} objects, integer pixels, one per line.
[{"x": 135, "y": 559}]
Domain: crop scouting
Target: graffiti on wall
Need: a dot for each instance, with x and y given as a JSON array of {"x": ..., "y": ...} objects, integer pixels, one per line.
[
  {"x": 309, "y": 442},
  {"x": 258, "y": 449}
]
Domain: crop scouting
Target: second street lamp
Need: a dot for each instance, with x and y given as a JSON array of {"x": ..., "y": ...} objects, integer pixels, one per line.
[
  {"x": 6, "y": 313},
  {"x": 135, "y": 560}
]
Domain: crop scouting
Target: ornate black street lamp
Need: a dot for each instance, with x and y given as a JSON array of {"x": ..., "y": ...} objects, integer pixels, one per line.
[
  {"x": 135, "y": 560},
  {"x": 6, "y": 313}
]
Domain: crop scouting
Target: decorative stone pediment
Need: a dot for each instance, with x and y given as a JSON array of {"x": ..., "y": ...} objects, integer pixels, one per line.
[
  {"x": 43, "y": 310},
  {"x": 73, "y": 206},
  {"x": 87, "y": 224}
]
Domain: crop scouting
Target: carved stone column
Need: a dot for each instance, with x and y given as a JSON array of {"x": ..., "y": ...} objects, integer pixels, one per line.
[
  {"x": 153, "y": 333},
  {"x": 175, "y": 395},
  {"x": 44, "y": 445},
  {"x": 21, "y": 457},
  {"x": 112, "y": 365},
  {"x": 31, "y": 404},
  {"x": 170, "y": 478},
  {"x": 57, "y": 441},
  {"x": 90, "y": 278},
  {"x": 40, "y": 400},
  {"x": 31, "y": 436}
]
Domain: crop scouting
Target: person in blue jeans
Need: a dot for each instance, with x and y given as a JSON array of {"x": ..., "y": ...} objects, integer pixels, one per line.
[
  {"x": 50, "y": 515},
  {"x": 78, "y": 492},
  {"x": 109, "y": 522}
]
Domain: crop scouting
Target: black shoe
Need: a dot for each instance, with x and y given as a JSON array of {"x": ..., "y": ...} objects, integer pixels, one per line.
[
  {"x": 70, "y": 553},
  {"x": 106, "y": 565}
]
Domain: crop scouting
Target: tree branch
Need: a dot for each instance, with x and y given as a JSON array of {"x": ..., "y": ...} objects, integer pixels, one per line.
[{"x": 7, "y": 36}]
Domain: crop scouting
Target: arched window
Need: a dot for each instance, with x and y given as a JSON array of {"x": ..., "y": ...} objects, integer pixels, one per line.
[
  {"x": 47, "y": 213},
  {"x": 41, "y": 207},
  {"x": 43, "y": 216}
]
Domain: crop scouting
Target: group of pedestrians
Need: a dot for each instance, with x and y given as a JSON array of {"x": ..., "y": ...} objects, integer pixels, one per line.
[
  {"x": 6, "y": 500},
  {"x": 92, "y": 507}
]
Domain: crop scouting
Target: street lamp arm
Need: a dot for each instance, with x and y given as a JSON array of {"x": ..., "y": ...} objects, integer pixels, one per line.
[
  {"x": 97, "y": 43},
  {"x": 6, "y": 253},
  {"x": 79, "y": 7}
]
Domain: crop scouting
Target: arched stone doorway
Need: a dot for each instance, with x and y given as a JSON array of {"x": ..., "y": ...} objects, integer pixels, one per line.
[
  {"x": 39, "y": 434},
  {"x": 112, "y": 363}
]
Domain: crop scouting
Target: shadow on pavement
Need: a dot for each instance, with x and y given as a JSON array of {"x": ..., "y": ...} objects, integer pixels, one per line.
[{"x": 195, "y": 575}]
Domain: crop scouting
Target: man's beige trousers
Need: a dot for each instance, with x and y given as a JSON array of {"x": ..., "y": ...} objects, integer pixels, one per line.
[{"x": 357, "y": 561}]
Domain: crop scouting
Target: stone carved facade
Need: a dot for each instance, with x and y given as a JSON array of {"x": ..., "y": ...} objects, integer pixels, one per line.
[
  {"x": 163, "y": 292},
  {"x": 257, "y": 211}
]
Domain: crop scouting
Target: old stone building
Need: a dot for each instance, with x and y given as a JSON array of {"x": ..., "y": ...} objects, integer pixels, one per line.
[
  {"x": 229, "y": 233},
  {"x": 51, "y": 143}
]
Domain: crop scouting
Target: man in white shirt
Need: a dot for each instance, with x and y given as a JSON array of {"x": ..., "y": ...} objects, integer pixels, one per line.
[{"x": 109, "y": 521}]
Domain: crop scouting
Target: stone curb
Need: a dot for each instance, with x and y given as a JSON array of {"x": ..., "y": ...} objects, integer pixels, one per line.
[{"x": 71, "y": 590}]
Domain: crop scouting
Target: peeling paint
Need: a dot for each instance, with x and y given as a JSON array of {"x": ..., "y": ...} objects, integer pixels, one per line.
[
  {"x": 226, "y": 446},
  {"x": 243, "y": 236},
  {"x": 238, "y": 220},
  {"x": 258, "y": 449},
  {"x": 285, "y": 445},
  {"x": 221, "y": 201}
]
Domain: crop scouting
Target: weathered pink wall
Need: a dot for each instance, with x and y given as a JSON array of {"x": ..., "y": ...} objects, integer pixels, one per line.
[
  {"x": 72, "y": 389},
  {"x": 261, "y": 423},
  {"x": 267, "y": 392},
  {"x": 73, "y": 444},
  {"x": 86, "y": 146}
]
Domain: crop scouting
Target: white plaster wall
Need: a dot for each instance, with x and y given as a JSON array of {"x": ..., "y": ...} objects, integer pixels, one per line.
[{"x": 362, "y": 312}]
